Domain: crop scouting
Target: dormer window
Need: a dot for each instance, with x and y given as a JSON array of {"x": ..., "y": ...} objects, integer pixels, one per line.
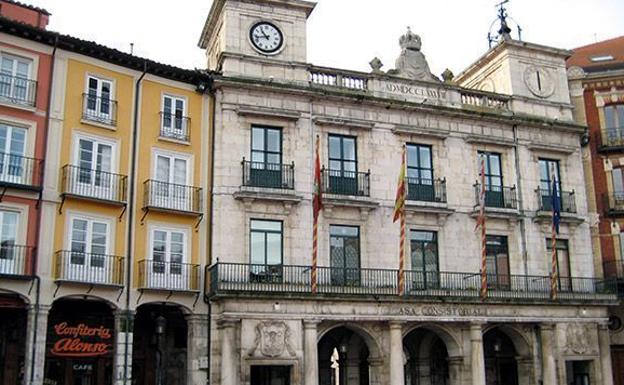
[{"x": 601, "y": 58}]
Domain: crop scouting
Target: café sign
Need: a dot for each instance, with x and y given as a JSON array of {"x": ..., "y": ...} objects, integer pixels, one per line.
[{"x": 81, "y": 340}]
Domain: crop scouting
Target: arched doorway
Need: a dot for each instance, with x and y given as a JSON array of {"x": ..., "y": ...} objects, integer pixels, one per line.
[
  {"x": 160, "y": 345},
  {"x": 343, "y": 358},
  {"x": 426, "y": 358},
  {"x": 501, "y": 366},
  {"x": 13, "y": 319}
]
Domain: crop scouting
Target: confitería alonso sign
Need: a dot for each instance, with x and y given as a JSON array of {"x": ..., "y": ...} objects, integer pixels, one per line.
[{"x": 81, "y": 340}]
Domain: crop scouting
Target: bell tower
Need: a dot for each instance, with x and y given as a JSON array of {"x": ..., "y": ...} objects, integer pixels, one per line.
[{"x": 254, "y": 38}]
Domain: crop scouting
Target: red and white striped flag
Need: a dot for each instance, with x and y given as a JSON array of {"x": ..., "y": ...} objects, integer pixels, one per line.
[{"x": 481, "y": 225}]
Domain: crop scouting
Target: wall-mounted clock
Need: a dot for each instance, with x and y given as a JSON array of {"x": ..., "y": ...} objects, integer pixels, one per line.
[
  {"x": 266, "y": 38},
  {"x": 539, "y": 81}
]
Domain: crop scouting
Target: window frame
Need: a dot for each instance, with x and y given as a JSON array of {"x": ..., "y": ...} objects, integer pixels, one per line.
[
  {"x": 265, "y": 232},
  {"x": 183, "y": 122},
  {"x": 169, "y": 231},
  {"x": 342, "y": 160},
  {"x": 419, "y": 168},
  {"x": 265, "y": 151},
  {"x": 549, "y": 162},
  {"x": 488, "y": 169},
  {"x": 188, "y": 158},
  {"x": 498, "y": 274},
  {"x": 618, "y": 116},
  {"x": 358, "y": 237},
  {"x": 566, "y": 247},
  {"x": 434, "y": 241}
]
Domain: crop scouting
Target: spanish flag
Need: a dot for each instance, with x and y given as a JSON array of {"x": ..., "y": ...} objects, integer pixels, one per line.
[{"x": 399, "y": 204}]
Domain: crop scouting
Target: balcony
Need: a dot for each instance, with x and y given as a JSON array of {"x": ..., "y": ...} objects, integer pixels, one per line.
[
  {"x": 175, "y": 127},
  {"x": 614, "y": 204},
  {"x": 498, "y": 197},
  {"x": 611, "y": 140},
  {"x": 88, "y": 268},
  {"x": 285, "y": 280},
  {"x": 169, "y": 276},
  {"x": 567, "y": 201},
  {"x": 18, "y": 90},
  {"x": 16, "y": 261},
  {"x": 94, "y": 185},
  {"x": 20, "y": 172},
  {"x": 350, "y": 183},
  {"x": 99, "y": 110},
  {"x": 268, "y": 175},
  {"x": 613, "y": 270},
  {"x": 426, "y": 190},
  {"x": 163, "y": 196}
]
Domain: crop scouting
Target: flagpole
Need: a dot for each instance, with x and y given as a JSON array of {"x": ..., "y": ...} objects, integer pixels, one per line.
[
  {"x": 399, "y": 214},
  {"x": 316, "y": 208},
  {"x": 402, "y": 256},
  {"x": 555, "y": 203},
  {"x": 481, "y": 222}
]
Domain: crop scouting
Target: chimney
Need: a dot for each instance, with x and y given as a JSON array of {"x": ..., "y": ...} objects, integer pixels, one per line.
[{"x": 24, "y": 13}]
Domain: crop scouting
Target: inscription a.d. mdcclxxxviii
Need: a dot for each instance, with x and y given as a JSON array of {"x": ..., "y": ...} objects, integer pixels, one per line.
[
  {"x": 441, "y": 311},
  {"x": 411, "y": 90}
]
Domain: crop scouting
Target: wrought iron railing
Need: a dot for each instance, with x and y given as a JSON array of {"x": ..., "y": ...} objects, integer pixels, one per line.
[
  {"x": 168, "y": 276},
  {"x": 16, "y": 260},
  {"x": 498, "y": 196},
  {"x": 91, "y": 268},
  {"x": 611, "y": 139},
  {"x": 289, "y": 279},
  {"x": 567, "y": 201},
  {"x": 268, "y": 175},
  {"x": 17, "y": 170},
  {"x": 18, "y": 90},
  {"x": 614, "y": 203},
  {"x": 174, "y": 126},
  {"x": 613, "y": 268},
  {"x": 426, "y": 190},
  {"x": 99, "y": 109},
  {"x": 346, "y": 182},
  {"x": 94, "y": 184},
  {"x": 171, "y": 196}
]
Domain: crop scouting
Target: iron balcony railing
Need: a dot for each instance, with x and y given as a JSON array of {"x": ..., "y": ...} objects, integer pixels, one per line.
[
  {"x": 268, "y": 175},
  {"x": 171, "y": 196},
  {"x": 231, "y": 278},
  {"x": 611, "y": 139},
  {"x": 567, "y": 201},
  {"x": 18, "y": 90},
  {"x": 426, "y": 190},
  {"x": 613, "y": 269},
  {"x": 174, "y": 126},
  {"x": 614, "y": 203},
  {"x": 16, "y": 260},
  {"x": 94, "y": 184},
  {"x": 99, "y": 109},
  {"x": 20, "y": 171},
  {"x": 346, "y": 182},
  {"x": 168, "y": 276},
  {"x": 498, "y": 196},
  {"x": 89, "y": 268}
]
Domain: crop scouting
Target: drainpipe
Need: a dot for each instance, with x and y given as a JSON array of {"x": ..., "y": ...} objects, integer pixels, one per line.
[
  {"x": 213, "y": 109},
  {"x": 38, "y": 222},
  {"x": 130, "y": 210},
  {"x": 523, "y": 240}
]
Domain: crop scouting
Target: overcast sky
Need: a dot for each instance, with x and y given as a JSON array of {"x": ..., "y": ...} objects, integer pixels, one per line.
[{"x": 344, "y": 33}]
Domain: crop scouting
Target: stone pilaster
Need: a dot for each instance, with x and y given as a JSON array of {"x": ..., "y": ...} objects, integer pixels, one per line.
[
  {"x": 477, "y": 359},
  {"x": 396, "y": 353},
  {"x": 310, "y": 353},
  {"x": 36, "y": 334},
  {"x": 197, "y": 348},
  {"x": 604, "y": 343},
  {"x": 122, "y": 361},
  {"x": 230, "y": 365},
  {"x": 549, "y": 368},
  {"x": 455, "y": 369}
]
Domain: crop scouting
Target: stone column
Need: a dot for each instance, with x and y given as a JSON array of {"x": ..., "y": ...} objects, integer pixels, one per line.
[
  {"x": 477, "y": 359},
  {"x": 122, "y": 361},
  {"x": 196, "y": 348},
  {"x": 549, "y": 368},
  {"x": 310, "y": 353},
  {"x": 396, "y": 354},
  {"x": 455, "y": 369},
  {"x": 36, "y": 334},
  {"x": 604, "y": 344},
  {"x": 230, "y": 372}
]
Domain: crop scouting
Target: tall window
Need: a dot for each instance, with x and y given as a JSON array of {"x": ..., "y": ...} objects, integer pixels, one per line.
[
  {"x": 94, "y": 160},
  {"x": 549, "y": 168},
  {"x": 12, "y": 148},
  {"x": 14, "y": 78},
  {"x": 424, "y": 253},
  {"x": 8, "y": 235},
  {"x": 614, "y": 116},
  {"x": 497, "y": 259},
  {"x": 420, "y": 173},
  {"x": 99, "y": 100},
  {"x": 344, "y": 251},
  {"x": 171, "y": 176},
  {"x": 173, "y": 118},
  {"x": 617, "y": 175},
  {"x": 89, "y": 248},
  {"x": 343, "y": 165},
  {"x": 266, "y": 249},
  {"x": 563, "y": 262},
  {"x": 266, "y": 157},
  {"x": 493, "y": 179}
]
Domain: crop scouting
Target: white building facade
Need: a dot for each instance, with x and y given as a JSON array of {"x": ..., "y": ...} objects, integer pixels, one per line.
[{"x": 511, "y": 107}]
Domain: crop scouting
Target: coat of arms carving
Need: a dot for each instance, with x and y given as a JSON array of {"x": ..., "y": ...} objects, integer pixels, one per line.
[
  {"x": 272, "y": 339},
  {"x": 577, "y": 339}
]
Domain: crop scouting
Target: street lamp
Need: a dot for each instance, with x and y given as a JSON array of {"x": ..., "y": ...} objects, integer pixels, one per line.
[
  {"x": 342, "y": 360},
  {"x": 161, "y": 324}
]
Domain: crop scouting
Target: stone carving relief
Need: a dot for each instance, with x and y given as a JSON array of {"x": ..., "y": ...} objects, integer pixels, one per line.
[
  {"x": 577, "y": 339},
  {"x": 412, "y": 63},
  {"x": 272, "y": 339}
]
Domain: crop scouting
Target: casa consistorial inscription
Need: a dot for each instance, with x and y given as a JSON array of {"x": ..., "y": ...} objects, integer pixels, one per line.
[{"x": 442, "y": 311}]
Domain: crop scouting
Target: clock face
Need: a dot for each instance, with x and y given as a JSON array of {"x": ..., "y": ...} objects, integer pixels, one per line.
[
  {"x": 539, "y": 81},
  {"x": 266, "y": 37}
]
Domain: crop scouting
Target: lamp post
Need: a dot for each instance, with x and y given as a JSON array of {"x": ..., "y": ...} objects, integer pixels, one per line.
[
  {"x": 161, "y": 324},
  {"x": 343, "y": 363}
]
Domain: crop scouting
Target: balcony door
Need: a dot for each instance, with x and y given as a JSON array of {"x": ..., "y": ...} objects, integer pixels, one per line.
[
  {"x": 344, "y": 253},
  {"x": 497, "y": 259},
  {"x": 424, "y": 259},
  {"x": 14, "y": 79},
  {"x": 89, "y": 260},
  {"x": 494, "y": 196},
  {"x": 343, "y": 165},
  {"x": 168, "y": 260},
  {"x": 93, "y": 177},
  {"x": 266, "y": 250},
  {"x": 9, "y": 262},
  {"x": 266, "y": 157},
  {"x": 99, "y": 100},
  {"x": 12, "y": 148},
  {"x": 173, "y": 118},
  {"x": 549, "y": 168},
  {"x": 420, "y": 173},
  {"x": 171, "y": 189},
  {"x": 564, "y": 276}
]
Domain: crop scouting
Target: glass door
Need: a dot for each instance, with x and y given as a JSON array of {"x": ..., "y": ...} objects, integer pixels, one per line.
[
  {"x": 173, "y": 119},
  {"x": 99, "y": 100},
  {"x": 168, "y": 260},
  {"x": 420, "y": 173},
  {"x": 343, "y": 178},
  {"x": 89, "y": 261},
  {"x": 494, "y": 196},
  {"x": 171, "y": 188},
  {"x": 94, "y": 178},
  {"x": 266, "y": 157},
  {"x": 14, "y": 82},
  {"x": 12, "y": 147},
  {"x": 345, "y": 255},
  {"x": 549, "y": 169},
  {"x": 497, "y": 261},
  {"x": 9, "y": 262},
  {"x": 424, "y": 253}
]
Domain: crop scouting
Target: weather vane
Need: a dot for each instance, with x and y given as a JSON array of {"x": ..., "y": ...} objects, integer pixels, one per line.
[{"x": 504, "y": 32}]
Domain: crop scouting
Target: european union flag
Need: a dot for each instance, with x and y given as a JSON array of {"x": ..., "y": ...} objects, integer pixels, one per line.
[{"x": 556, "y": 206}]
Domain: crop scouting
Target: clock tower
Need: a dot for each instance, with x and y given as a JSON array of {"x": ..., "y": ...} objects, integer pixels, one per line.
[{"x": 257, "y": 38}]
